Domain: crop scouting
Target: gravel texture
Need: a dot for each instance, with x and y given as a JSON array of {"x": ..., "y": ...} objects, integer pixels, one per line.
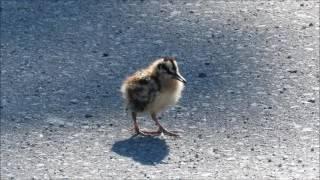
[{"x": 250, "y": 109}]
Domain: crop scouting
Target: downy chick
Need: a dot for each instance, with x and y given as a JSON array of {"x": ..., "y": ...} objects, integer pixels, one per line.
[{"x": 152, "y": 90}]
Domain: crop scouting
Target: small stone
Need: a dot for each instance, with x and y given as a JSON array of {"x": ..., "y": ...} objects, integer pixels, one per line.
[
  {"x": 88, "y": 116},
  {"x": 110, "y": 124},
  {"x": 289, "y": 57},
  {"x": 215, "y": 150},
  {"x": 207, "y": 63},
  {"x": 301, "y": 4},
  {"x": 158, "y": 41},
  {"x": 269, "y": 160},
  {"x": 191, "y": 12},
  {"x": 311, "y": 24},
  {"x": 205, "y": 104},
  {"x": 311, "y": 101},
  {"x": 252, "y": 149},
  {"x": 202, "y": 75},
  {"x": 312, "y": 149},
  {"x": 105, "y": 55},
  {"x": 74, "y": 101},
  {"x": 200, "y": 136},
  {"x": 282, "y": 91},
  {"x": 292, "y": 71}
]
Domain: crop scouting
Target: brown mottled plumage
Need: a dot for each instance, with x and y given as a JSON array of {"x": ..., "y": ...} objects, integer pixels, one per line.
[{"x": 152, "y": 90}]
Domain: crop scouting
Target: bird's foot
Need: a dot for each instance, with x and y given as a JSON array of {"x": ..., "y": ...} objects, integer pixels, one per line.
[
  {"x": 159, "y": 132},
  {"x": 137, "y": 132},
  {"x": 154, "y": 133},
  {"x": 151, "y": 133},
  {"x": 169, "y": 133}
]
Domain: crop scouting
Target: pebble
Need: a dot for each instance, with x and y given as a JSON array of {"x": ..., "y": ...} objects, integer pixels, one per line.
[
  {"x": 159, "y": 41},
  {"x": 292, "y": 71},
  {"x": 74, "y": 101},
  {"x": 214, "y": 150},
  {"x": 306, "y": 129},
  {"x": 202, "y": 75},
  {"x": 88, "y": 116},
  {"x": 311, "y": 101},
  {"x": 205, "y": 104}
]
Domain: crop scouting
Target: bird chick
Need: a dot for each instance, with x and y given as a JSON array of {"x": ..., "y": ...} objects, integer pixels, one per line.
[{"x": 152, "y": 90}]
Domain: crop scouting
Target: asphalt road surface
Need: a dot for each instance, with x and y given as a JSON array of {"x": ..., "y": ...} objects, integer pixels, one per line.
[{"x": 250, "y": 109}]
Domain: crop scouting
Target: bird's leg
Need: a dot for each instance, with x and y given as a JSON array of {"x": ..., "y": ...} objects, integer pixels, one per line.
[
  {"x": 135, "y": 125},
  {"x": 152, "y": 133},
  {"x": 160, "y": 128}
]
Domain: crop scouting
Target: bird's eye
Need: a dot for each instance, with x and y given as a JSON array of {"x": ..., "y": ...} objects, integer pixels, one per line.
[{"x": 160, "y": 66}]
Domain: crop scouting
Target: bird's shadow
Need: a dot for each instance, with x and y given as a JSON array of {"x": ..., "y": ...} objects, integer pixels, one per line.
[{"x": 145, "y": 150}]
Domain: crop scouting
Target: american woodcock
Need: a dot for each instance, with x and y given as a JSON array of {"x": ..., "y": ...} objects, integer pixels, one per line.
[{"x": 152, "y": 90}]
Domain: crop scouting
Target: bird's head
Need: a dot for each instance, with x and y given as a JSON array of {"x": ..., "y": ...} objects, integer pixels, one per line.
[{"x": 167, "y": 68}]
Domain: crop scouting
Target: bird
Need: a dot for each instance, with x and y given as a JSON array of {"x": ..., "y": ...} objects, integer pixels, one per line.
[{"x": 152, "y": 90}]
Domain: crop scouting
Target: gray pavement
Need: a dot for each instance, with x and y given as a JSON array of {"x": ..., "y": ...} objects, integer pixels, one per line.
[{"x": 249, "y": 111}]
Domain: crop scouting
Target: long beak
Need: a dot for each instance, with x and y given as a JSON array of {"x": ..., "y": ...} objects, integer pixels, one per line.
[{"x": 180, "y": 78}]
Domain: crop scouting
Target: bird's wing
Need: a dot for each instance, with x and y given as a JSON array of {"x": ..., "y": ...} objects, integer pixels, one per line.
[{"x": 141, "y": 93}]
